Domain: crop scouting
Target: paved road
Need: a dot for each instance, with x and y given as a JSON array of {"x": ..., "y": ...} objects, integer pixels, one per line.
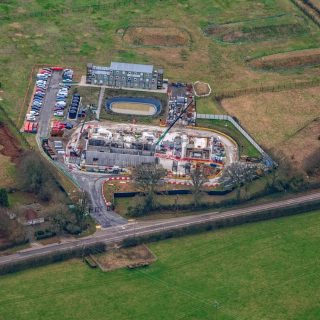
[
  {"x": 48, "y": 105},
  {"x": 115, "y": 234},
  {"x": 92, "y": 184}
]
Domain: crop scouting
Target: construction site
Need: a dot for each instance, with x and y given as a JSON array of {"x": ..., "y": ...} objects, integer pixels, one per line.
[{"x": 115, "y": 147}]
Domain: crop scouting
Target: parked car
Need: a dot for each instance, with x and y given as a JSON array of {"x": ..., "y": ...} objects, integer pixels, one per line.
[
  {"x": 31, "y": 118},
  {"x": 61, "y": 103},
  {"x": 39, "y": 94},
  {"x": 68, "y": 125}
]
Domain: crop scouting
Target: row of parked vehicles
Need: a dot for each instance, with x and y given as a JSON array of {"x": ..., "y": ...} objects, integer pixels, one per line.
[
  {"x": 31, "y": 124},
  {"x": 38, "y": 97},
  {"x": 62, "y": 95},
  {"x": 61, "y": 101},
  {"x": 74, "y": 106}
]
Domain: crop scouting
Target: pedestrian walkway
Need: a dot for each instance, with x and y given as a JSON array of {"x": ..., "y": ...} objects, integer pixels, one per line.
[{"x": 100, "y": 101}]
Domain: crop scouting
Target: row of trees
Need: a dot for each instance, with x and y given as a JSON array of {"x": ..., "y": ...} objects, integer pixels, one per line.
[{"x": 148, "y": 180}]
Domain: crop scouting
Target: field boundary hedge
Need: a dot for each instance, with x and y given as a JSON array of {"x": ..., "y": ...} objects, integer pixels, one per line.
[
  {"x": 224, "y": 222},
  {"x": 52, "y": 257},
  {"x": 275, "y": 88}
]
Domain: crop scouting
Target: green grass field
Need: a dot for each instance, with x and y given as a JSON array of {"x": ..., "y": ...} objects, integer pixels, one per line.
[
  {"x": 245, "y": 147},
  {"x": 72, "y": 33},
  {"x": 267, "y": 270}
]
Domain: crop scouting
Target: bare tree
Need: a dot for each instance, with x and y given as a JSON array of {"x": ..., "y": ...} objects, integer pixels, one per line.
[
  {"x": 82, "y": 209},
  {"x": 59, "y": 217},
  {"x": 12, "y": 230},
  {"x": 238, "y": 174},
  {"x": 147, "y": 178},
  {"x": 312, "y": 163},
  {"x": 199, "y": 177}
]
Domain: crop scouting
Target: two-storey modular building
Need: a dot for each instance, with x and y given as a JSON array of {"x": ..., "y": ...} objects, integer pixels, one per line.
[{"x": 125, "y": 75}]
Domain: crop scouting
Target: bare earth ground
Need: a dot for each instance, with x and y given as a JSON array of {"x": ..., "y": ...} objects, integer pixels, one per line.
[
  {"x": 288, "y": 59},
  {"x": 280, "y": 120},
  {"x": 132, "y": 106},
  {"x": 10, "y": 153},
  {"x": 201, "y": 88},
  {"x": 124, "y": 257},
  {"x": 153, "y": 36}
]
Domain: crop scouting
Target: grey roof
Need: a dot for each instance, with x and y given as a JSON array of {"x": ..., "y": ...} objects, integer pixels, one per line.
[
  {"x": 111, "y": 159},
  {"x": 132, "y": 67}
]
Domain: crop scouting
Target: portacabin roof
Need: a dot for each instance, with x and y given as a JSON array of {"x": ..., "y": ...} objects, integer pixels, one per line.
[{"x": 132, "y": 67}]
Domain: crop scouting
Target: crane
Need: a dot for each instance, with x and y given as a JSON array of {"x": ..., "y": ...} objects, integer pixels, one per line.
[{"x": 173, "y": 123}]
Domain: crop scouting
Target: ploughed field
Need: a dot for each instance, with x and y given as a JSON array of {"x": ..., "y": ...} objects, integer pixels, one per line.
[{"x": 266, "y": 270}]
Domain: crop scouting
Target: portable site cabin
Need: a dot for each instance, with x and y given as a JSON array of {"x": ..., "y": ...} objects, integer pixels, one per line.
[{"x": 26, "y": 126}]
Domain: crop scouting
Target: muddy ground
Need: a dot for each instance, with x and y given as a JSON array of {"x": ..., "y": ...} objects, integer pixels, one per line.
[
  {"x": 9, "y": 145},
  {"x": 153, "y": 36},
  {"x": 124, "y": 257}
]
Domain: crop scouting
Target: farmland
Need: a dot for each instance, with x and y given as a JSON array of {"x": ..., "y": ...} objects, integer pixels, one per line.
[
  {"x": 267, "y": 270},
  {"x": 282, "y": 116},
  {"x": 210, "y": 42},
  {"x": 29, "y": 38}
]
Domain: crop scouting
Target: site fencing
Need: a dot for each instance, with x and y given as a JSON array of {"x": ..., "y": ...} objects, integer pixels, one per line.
[{"x": 266, "y": 158}]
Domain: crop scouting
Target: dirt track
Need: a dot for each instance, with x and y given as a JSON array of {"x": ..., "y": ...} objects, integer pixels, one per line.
[{"x": 9, "y": 146}]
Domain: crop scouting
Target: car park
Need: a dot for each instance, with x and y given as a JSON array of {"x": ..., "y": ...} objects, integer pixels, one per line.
[
  {"x": 68, "y": 125},
  {"x": 61, "y": 103},
  {"x": 58, "y": 113},
  {"x": 31, "y": 118}
]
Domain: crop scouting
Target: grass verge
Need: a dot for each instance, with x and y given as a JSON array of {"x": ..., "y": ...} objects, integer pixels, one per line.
[{"x": 246, "y": 149}]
